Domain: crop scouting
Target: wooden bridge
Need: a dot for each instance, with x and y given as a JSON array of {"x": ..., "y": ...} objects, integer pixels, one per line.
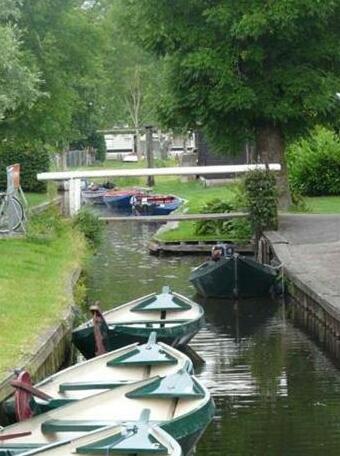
[{"x": 74, "y": 177}]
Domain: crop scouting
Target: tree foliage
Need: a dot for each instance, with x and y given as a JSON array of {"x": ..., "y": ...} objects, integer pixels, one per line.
[
  {"x": 237, "y": 68},
  {"x": 314, "y": 164},
  {"x": 18, "y": 81}
]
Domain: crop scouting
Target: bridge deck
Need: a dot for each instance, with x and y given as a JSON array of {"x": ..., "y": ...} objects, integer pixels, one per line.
[{"x": 173, "y": 217}]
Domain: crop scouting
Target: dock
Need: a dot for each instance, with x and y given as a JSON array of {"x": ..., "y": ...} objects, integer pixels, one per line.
[
  {"x": 157, "y": 247},
  {"x": 172, "y": 217}
]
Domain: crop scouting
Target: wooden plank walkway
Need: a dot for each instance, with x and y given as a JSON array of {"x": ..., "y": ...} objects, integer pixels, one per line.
[
  {"x": 194, "y": 247},
  {"x": 172, "y": 217}
]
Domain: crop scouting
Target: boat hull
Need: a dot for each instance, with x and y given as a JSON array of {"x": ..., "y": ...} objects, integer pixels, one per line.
[
  {"x": 157, "y": 209},
  {"x": 189, "y": 429},
  {"x": 119, "y": 336},
  {"x": 234, "y": 276},
  {"x": 94, "y": 197}
]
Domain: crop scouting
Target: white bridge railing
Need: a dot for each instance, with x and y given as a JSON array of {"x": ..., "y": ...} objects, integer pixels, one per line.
[{"x": 75, "y": 177}]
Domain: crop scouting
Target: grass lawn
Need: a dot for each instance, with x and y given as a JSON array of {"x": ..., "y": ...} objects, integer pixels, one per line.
[
  {"x": 196, "y": 195},
  {"x": 34, "y": 199},
  {"x": 33, "y": 280},
  {"x": 323, "y": 204}
]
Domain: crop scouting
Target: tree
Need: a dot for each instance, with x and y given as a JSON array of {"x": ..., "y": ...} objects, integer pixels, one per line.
[
  {"x": 18, "y": 82},
  {"x": 65, "y": 41},
  {"x": 253, "y": 70},
  {"x": 135, "y": 75}
]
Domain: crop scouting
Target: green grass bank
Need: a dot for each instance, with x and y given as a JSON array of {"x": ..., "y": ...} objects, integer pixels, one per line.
[{"x": 34, "y": 289}]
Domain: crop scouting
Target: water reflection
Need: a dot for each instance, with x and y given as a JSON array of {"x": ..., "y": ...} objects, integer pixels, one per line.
[{"x": 276, "y": 393}]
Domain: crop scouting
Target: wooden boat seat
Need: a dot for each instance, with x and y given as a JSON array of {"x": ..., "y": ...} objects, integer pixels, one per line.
[
  {"x": 53, "y": 426},
  {"x": 165, "y": 301},
  {"x": 180, "y": 385},
  {"x": 81, "y": 386},
  {"x": 134, "y": 438},
  {"x": 11, "y": 449},
  {"x": 147, "y": 354},
  {"x": 146, "y": 322}
]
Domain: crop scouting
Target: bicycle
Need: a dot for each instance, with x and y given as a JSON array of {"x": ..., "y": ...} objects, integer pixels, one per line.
[{"x": 12, "y": 213}]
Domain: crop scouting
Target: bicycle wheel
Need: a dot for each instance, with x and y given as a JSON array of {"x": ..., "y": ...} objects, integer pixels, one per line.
[{"x": 11, "y": 214}]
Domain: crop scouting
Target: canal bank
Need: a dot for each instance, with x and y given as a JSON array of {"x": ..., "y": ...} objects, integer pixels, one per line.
[
  {"x": 38, "y": 274},
  {"x": 308, "y": 247}
]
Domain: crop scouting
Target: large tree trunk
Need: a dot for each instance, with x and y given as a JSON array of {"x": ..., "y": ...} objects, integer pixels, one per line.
[{"x": 270, "y": 147}]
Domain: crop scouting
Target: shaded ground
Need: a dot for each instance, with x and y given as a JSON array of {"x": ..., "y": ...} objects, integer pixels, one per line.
[{"x": 309, "y": 247}]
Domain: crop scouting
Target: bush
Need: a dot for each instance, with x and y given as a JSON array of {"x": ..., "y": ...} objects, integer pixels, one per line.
[
  {"x": 314, "y": 164},
  {"x": 261, "y": 199},
  {"x": 89, "y": 225},
  {"x": 33, "y": 159},
  {"x": 234, "y": 229}
]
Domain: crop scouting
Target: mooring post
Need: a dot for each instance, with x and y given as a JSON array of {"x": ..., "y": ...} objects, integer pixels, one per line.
[
  {"x": 149, "y": 153},
  {"x": 74, "y": 196}
]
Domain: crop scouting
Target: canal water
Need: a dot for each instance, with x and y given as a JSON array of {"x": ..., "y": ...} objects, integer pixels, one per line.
[{"x": 276, "y": 392}]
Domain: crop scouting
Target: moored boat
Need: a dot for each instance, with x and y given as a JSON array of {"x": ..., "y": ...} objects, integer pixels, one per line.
[
  {"x": 230, "y": 275},
  {"x": 178, "y": 404},
  {"x": 137, "y": 438},
  {"x": 121, "y": 198},
  {"x": 174, "y": 318},
  {"x": 94, "y": 194},
  {"x": 154, "y": 204},
  {"x": 107, "y": 371}
]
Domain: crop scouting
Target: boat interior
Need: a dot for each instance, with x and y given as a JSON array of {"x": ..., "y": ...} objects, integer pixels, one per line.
[
  {"x": 164, "y": 309},
  {"x": 168, "y": 398},
  {"x": 129, "y": 364},
  {"x": 136, "y": 438}
]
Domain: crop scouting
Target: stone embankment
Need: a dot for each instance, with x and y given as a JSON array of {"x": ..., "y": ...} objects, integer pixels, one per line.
[{"x": 308, "y": 247}]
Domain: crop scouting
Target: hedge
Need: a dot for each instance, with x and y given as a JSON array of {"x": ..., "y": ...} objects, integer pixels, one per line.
[
  {"x": 314, "y": 164},
  {"x": 33, "y": 159},
  {"x": 261, "y": 200}
]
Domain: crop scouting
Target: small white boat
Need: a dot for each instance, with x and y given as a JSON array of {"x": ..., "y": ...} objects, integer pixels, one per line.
[
  {"x": 178, "y": 404},
  {"x": 125, "y": 365},
  {"x": 137, "y": 439},
  {"x": 175, "y": 319}
]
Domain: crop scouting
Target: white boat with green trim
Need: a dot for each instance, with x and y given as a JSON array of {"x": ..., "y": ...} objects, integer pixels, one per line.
[
  {"x": 175, "y": 319},
  {"x": 110, "y": 370},
  {"x": 178, "y": 404},
  {"x": 139, "y": 438}
]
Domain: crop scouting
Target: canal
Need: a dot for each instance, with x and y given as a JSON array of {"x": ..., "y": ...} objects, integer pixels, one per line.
[{"x": 276, "y": 392}]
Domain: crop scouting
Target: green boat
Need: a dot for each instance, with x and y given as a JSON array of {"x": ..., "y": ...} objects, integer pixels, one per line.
[
  {"x": 140, "y": 438},
  {"x": 178, "y": 404},
  {"x": 174, "y": 318},
  {"x": 232, "y": 276},
  {"x": 110, "y": 370}
]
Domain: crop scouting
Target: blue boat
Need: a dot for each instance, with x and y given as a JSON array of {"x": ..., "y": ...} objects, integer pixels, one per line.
[
  {"x": 154, "y": 204},
  {"x": 120, "y": 199}
]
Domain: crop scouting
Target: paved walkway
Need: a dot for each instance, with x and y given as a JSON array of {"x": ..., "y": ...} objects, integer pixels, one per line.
[{"x": 308, "y": 245}]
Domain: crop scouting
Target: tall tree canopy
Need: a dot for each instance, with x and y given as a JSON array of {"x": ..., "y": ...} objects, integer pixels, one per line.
[
  {"x": 65, "y": 41},
  {"x": 18, "y": 80},
  {"x": 251, "y": 69}
]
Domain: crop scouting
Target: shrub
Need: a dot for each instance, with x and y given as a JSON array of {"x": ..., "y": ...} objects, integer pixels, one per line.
[
  {"x": 314, "y": 164},
  {"x": 33, "y": 159},
  {"x": 89, "y": 225},
  {"x": 234, "y": 229},
  {"x": 261, "y": 199}
]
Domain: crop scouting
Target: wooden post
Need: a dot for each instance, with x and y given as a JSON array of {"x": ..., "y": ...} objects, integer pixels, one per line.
[
  {"x": 149, "y": 153},
  {"x": 74, "y": 196}
]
